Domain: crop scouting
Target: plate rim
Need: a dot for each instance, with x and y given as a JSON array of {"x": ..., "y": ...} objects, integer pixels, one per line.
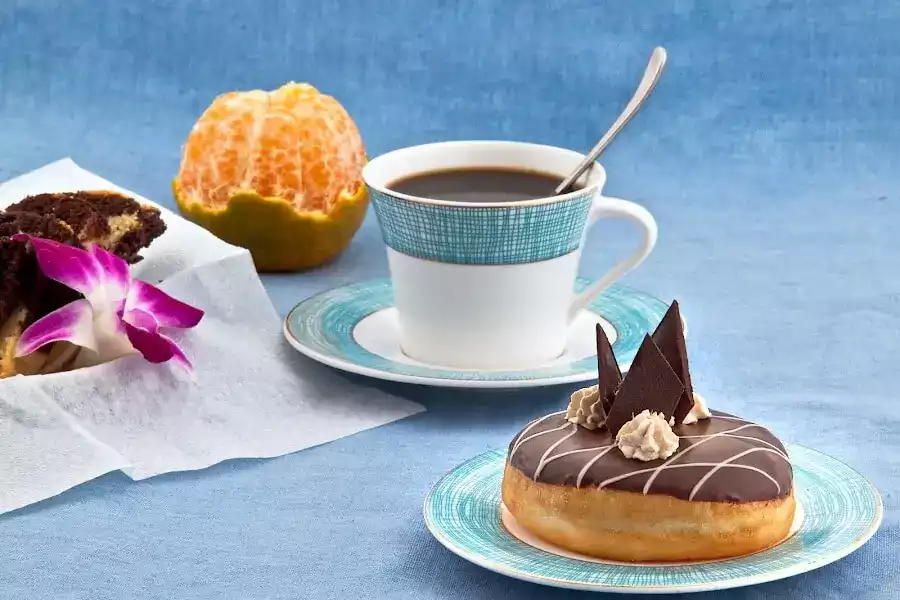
[
  {"x": 352, "y": 367},
  {"x": 443, "y": 382},
  {"x": 761, "y": 578}
]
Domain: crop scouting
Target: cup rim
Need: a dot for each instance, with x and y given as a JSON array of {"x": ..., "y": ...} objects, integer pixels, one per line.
[{"x": 383, "y": 189}]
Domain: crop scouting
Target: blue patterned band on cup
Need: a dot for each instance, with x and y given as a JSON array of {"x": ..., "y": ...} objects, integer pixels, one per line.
[{"x": 474, "y": 235}]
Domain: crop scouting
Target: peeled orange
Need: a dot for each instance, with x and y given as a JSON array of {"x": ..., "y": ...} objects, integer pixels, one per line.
[{"x": 278, "y": 173}]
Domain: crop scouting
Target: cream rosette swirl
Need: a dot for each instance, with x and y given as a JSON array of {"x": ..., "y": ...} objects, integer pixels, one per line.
[
  {"x": 586, "y": 408},
  {"x": 648, "y": 436}
]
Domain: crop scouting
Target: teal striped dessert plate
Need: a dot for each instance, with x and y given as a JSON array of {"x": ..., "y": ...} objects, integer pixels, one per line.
[{"x": 841, "y": 510}]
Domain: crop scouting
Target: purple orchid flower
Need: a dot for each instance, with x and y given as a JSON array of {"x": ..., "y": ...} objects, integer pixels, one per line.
[{"x": 117, "y": 316}]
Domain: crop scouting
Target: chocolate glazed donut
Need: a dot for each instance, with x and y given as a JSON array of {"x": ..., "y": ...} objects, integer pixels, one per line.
[
  {"x": 726, "y": 491},
  {"x": 720, "y": 459}
]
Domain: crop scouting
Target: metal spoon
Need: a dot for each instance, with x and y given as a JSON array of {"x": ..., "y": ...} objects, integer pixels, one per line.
[{"x": 648, "y": 82}]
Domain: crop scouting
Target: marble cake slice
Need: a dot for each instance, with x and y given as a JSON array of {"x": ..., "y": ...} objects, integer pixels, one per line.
[{"x": 113, "y": 221}]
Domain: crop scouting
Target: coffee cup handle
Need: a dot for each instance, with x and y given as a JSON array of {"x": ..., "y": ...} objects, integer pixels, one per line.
[{"x": 615, "y": 208}]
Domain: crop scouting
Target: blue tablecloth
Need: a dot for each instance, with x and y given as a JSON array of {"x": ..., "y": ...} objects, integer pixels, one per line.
[{"x": 770, "y": 155}]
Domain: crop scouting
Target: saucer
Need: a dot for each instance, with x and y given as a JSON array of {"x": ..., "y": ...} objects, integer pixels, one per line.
[
  {"x": 841, "y": 510},
  {"x": 355, "y": 328}
]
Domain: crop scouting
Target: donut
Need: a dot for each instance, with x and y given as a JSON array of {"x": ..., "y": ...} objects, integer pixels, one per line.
[
  {"x": 727, "y": 491},
  {"x": 638, "y": 469}
]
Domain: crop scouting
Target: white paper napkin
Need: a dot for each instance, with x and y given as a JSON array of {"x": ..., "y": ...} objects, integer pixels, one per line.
[{"x": 249, "y": 396}]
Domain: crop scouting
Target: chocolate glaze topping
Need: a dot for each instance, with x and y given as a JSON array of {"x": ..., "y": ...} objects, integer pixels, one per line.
[{"x": 721, "y": 459}]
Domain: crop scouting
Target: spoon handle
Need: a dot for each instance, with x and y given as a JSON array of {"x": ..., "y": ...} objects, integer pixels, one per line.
[{"x": 648, "y": 82}]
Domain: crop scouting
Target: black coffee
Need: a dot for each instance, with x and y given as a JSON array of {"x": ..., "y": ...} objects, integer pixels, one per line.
[{"x": 489, "y": 184}]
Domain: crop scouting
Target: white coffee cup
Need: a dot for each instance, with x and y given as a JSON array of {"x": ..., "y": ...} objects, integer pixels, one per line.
[{"x": 490, "y": 285}]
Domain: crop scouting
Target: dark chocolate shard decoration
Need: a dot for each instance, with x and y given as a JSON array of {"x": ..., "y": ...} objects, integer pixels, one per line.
[
  {"x": 608, "y": 374},
  {"x": 669, "y": 338},
  {"x": 650, "y": 384}
]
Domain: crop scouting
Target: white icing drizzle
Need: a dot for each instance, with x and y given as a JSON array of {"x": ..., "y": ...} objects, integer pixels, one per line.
[
  {"x": 535, "y": 423},
  {"x": 743, "y": 437},
  {"x": 681, "y": 453},
  {"x": 576, "y": 451},
  {"x": 549, "y": 457},
  {"x": 715, "y": 466},
  {"x": 546, "y": 458},
  {"x": 591, "y": 462},
  {"x": 532, "y": 425},
  {"x": 535, "y": 435},
  {"x": 553, "y": 446},
  {"x": 727, "y": 462},
  {"x": 688, "y": 466}
]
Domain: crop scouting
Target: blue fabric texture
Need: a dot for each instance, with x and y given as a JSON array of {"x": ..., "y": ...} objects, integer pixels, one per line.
[{"x": 770, "y": 156}]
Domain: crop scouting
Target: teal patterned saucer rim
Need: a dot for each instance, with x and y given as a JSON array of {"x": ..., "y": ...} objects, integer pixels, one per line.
[
  {"x": 322, "y": 326},
  {"x": 841, "y": 511}
]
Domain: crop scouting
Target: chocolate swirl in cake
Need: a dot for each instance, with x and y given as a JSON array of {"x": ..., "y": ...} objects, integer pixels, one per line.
[
  {"x": 21, "y": 282},
  {"x": 115, "y": 222},
  {"x": 721, "y": 459}
]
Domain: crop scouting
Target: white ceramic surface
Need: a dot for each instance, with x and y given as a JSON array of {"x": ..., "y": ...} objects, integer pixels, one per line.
[
  {"x": 493, "y": 316},
  {"x": 379, "y": 333},
  {"x": 356, "y": 328}
]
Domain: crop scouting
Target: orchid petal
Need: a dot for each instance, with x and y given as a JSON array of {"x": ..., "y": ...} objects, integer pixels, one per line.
[
  {"x": 167, "y": 311},
  {"x": 112, "y": 337},
  {"x": 117, "y": 316},
  {"x": 150, "y": 345},
  {"x": 155, "y": 347},
  {"x": 144, "y": 333},
  {"x": 142, "y": 320},
  {"x": 72, "y": 323},
  {"x": 67, "y": 265},
  {"x": 115, "y": 272},
  {"x": 178, "y": 357}
]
